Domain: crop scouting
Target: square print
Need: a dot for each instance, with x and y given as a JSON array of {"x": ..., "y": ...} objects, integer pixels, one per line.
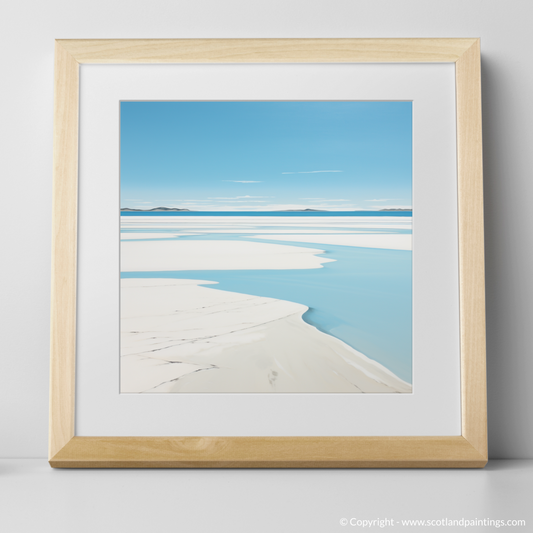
[{"x": 266, "y": 247}]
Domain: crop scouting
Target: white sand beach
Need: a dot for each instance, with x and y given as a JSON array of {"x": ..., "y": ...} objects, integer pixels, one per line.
[
  {"x": 237, "y": 224},
  {"x": 179, "y": 336},
  {"x": 188, "y": 336},
  {"x": 136, "y": 235},
  {"x": 151, "y": 256},
  {"x": 389, "y": 241}
]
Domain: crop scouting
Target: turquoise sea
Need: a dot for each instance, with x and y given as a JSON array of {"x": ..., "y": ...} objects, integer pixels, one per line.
[
  {"x": 267, "y": 213},
  {"x": 364, "y": 297}
]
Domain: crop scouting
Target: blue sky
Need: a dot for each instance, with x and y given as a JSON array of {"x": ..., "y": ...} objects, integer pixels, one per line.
[{"x": 266, "y": 156}]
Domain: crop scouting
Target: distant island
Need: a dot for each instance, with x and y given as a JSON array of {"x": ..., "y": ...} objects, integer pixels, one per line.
[
  {"x": 301, "y": 210},
  {"x": 177, "y": 209},
  {"x": 154, "y": 209}
]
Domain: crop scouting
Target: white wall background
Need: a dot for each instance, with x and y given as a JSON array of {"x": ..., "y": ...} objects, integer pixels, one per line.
[{"x": 27, "y": 31}]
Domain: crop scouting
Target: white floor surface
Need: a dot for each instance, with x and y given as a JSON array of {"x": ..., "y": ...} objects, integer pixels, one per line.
[{"x": 37, "y": 498}]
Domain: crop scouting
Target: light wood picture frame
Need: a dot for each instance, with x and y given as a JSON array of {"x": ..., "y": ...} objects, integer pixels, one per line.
[{"x": 66, "y": 450}]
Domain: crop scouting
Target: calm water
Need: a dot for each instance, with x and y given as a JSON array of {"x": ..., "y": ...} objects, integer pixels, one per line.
[
  {"x": 364, "y": 297},
  {"x": 267, "y": 213}
]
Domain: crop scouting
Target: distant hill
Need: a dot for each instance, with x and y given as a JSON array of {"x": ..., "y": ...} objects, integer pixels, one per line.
[
  {"x": 302, "y": 210},
  {"x": 395, "y": 209},
  {"x": 154, "y": 209}
]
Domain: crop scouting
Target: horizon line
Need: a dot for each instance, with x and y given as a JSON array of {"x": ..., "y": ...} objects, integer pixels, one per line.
[{"x": 178, "y": 209}]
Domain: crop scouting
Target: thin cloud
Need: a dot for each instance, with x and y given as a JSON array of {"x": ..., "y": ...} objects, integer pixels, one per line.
[
  {"x": 312, "y": 172},
  {"x": 326, "y": 199},
  {"x": 242, "y": 201},
  {"x": 225, "y": 207},
  {"x": 237, "y": 197},
  {"x": 243, "y": 181},
  {"x": 383, "y": 200},
  {"x": 391, "y": 206}
]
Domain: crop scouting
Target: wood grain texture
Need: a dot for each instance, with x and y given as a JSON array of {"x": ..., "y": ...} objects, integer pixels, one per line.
[
  {"x": 468, "y": 450},
  {"x": 268, "y": 452},
  {"x": 471, "y": 248},
  {"x": 64, "y": 223},
  {"x": 265, "y": 50}
]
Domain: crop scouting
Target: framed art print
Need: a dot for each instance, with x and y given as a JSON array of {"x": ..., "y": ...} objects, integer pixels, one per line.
[{"x": 267, "y": 253}]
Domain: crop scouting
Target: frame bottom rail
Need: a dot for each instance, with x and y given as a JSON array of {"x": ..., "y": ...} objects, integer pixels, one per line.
[{"x": 268, "y": 452}]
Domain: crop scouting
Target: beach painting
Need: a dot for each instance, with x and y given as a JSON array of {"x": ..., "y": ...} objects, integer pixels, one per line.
[{"x": 266, "y": 247}]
